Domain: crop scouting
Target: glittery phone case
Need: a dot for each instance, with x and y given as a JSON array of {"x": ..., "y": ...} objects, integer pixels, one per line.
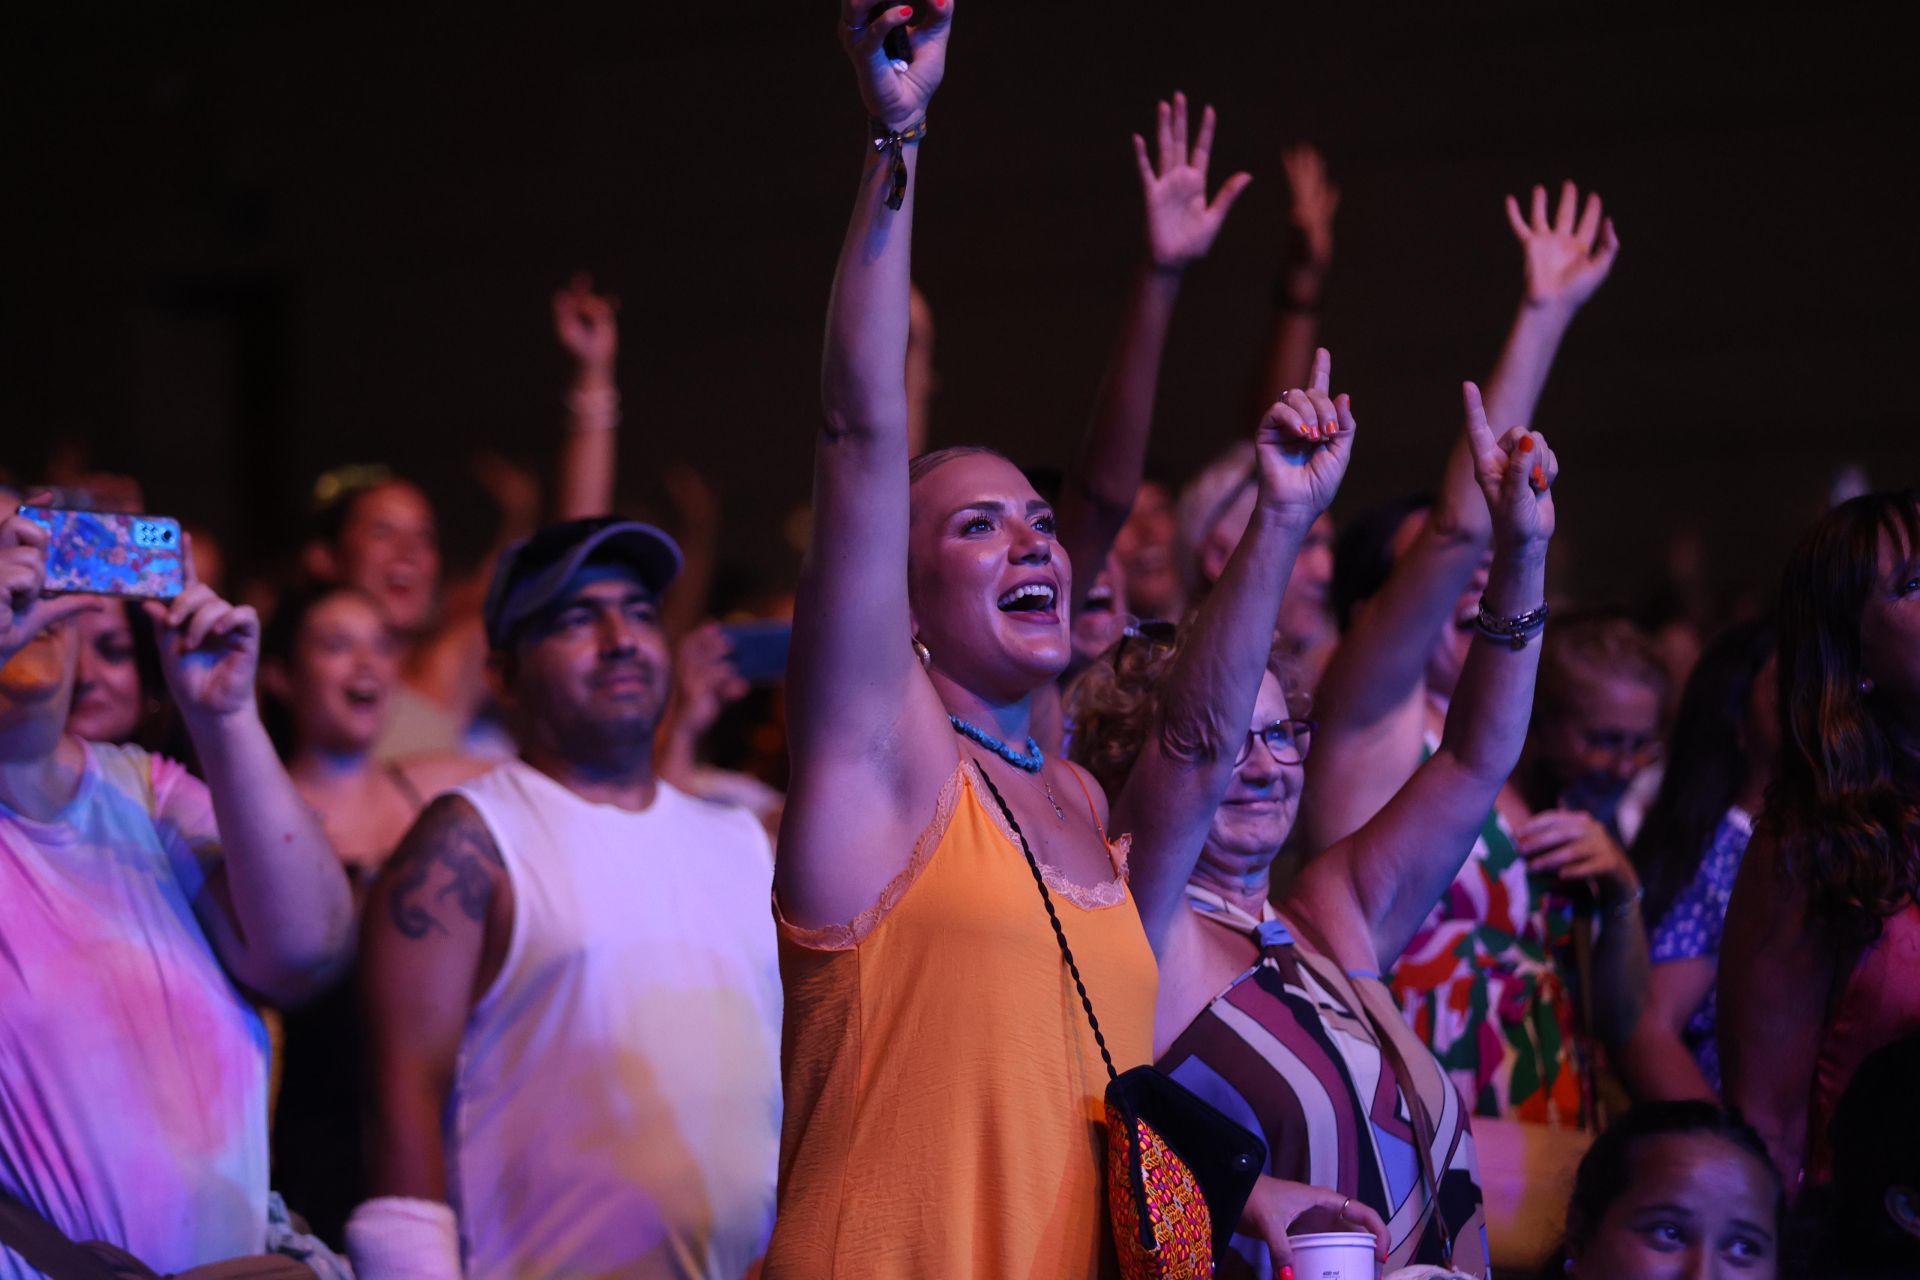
[{"x": 109, "y": 553}]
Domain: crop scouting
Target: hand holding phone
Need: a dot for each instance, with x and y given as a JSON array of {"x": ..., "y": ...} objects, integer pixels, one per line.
[
  {"x": 24, "y": 612},
  {"x": 758, "y": 650}
]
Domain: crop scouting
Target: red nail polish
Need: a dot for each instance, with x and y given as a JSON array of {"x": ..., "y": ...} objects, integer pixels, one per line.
[
  {"x": 1286, "y": 1273},
  {"x": 1526, "y": 444},
  {"x": 906, "y": 11},
  {"x": 1539, "y": 478}
]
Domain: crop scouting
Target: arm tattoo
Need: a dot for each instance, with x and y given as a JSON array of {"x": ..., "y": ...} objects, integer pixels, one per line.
[{"x": 448, "y": 838}]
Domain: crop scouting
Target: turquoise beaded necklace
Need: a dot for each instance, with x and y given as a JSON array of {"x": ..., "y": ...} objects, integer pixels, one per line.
[{"x": 1031, "y": 761}]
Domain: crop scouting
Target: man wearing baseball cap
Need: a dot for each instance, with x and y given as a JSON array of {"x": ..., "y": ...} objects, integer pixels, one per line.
[{"x": 569, "y": 975}]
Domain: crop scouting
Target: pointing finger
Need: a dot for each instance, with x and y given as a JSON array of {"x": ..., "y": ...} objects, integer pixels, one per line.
[{"x": 1479, "y": 434}]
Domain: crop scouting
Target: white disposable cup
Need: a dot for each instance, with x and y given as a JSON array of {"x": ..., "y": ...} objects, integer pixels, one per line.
[{"x": 1335, "y": 1255}]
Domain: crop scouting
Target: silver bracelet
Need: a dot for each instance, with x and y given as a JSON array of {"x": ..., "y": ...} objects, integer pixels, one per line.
[
  {"x": 1625, "y": 908},
  {"x": 1516, "y": 631}
]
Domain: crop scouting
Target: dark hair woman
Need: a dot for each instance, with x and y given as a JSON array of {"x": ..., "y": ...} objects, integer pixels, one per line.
[
  {"x": 1719, "y": 762},
  {"x": 1672, "y": 1190},
  {"x": 1823, "y": 933}
]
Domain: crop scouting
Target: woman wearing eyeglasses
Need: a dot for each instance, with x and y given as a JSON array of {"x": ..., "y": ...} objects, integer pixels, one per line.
[{"x": 1277, "y": 1015}]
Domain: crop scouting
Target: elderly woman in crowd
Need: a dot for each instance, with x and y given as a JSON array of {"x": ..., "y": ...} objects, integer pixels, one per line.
[{"x": 1278, "y": 1015}]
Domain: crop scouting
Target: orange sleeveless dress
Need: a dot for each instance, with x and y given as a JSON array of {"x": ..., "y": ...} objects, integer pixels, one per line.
[{"x": 944, "y": 1111}]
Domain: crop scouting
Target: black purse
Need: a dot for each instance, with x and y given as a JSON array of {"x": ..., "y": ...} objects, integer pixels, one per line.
[{"x": 1159, "y": 1232}]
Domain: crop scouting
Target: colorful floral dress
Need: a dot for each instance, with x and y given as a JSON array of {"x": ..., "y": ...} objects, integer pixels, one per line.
[{"x": 1483, "y": 984}]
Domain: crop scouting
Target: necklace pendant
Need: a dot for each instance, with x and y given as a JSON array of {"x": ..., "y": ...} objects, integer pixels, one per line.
[{"x": 1058, "y": 813}]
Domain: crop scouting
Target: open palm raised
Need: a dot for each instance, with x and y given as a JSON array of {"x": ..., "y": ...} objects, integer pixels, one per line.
[
  {"x": 1566, "y": 259},
  {"x": 1181, "y": 222}
]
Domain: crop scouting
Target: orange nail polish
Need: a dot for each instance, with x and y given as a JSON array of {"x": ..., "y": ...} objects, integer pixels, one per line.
[{"x": 1526, "y": 444}]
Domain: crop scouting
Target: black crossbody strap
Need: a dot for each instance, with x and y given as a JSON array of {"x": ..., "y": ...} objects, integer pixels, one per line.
[{"x": 1053, "y": 917}]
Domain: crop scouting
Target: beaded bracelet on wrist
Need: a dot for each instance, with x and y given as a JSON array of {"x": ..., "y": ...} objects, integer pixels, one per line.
[{"x": 1515, "y": 631}]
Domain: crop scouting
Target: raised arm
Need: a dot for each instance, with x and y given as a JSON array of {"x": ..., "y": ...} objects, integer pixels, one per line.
[
  {"x": 1371, "y": 890},
  {"x": 1207, "y": 700},
  {"x": 1567, "y": 259},
  {"x": 584, "y": 323},
  {"x": 1371, "y": 699},
  {"x": 278, "y": 908},
  {"x": 1313, "y": 200},
  {"x": 863, "y": 719},
  {"x": 1776, "y": 983},
  {"x": 1181, "y": 225}
]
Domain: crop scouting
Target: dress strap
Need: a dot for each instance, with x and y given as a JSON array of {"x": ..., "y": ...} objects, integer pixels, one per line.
[
  {"x": 1092, "y": 808},
  {"x": 404, "y": 784}
]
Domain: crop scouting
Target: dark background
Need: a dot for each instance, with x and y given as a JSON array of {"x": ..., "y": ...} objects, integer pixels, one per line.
[{"x": 244, "y": 244}]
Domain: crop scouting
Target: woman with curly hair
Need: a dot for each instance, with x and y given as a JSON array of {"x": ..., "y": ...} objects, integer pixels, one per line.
[
  {"x": 1277, "y": 1014},
  {"x": 1823, "y": 933}
]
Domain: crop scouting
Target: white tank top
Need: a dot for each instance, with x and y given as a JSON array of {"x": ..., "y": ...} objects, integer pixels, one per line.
[
  {"x": 133, "y": 1074},
  {"x": 616, "y": 1105}
]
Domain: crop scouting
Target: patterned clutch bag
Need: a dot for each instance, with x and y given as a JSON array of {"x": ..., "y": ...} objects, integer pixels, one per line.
[{"x": 1178, "y": 1171}]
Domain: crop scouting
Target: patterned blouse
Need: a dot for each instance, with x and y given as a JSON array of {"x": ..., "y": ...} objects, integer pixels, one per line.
[
  {"x": 1483, "y": 983},
  {"x": 1285, "y": 1051},
  {"x": 1692, "y": 926}
]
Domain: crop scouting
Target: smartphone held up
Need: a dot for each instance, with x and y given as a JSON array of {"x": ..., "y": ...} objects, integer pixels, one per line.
[{"x": 109, "y": 553}]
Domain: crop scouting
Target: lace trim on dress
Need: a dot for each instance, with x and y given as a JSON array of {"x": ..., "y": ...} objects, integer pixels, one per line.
[
  {"x": 845, "y": 937},
  {"x": 1097, "y": 897}
]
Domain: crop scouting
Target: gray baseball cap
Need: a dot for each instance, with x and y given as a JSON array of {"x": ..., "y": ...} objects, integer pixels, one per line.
[{"x": 534, "y": 572}]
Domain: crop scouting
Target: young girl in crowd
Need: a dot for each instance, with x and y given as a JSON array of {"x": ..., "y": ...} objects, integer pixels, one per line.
[
  {"x": 1823, "y": 932},
  {"x": 118, "y": 692},
  {"x": 330, "y": 669},
  {"x": 1720, "y": 759},
  {"x": 1279, "y": 1017},
  {"x": 1674, "y": 1191}
]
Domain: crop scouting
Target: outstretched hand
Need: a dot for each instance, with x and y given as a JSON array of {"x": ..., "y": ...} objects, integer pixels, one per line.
[
  {"x": 585, "y": 323},
  {"x": 1315, "y": 199},
  {"x": 1304, "y": 444},
  {"x": 1516, "y": 472},
  {"x": 24, "y": 613},
  {"x": 896, "y": 95},
  {"x": 1181, "y": 222},
  {"x": 1566, "y": 260},
  {"x": 209, "y": 649}
]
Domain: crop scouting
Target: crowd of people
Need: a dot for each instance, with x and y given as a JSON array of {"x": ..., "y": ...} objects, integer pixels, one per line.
[{"x": 523, "y": 923}]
